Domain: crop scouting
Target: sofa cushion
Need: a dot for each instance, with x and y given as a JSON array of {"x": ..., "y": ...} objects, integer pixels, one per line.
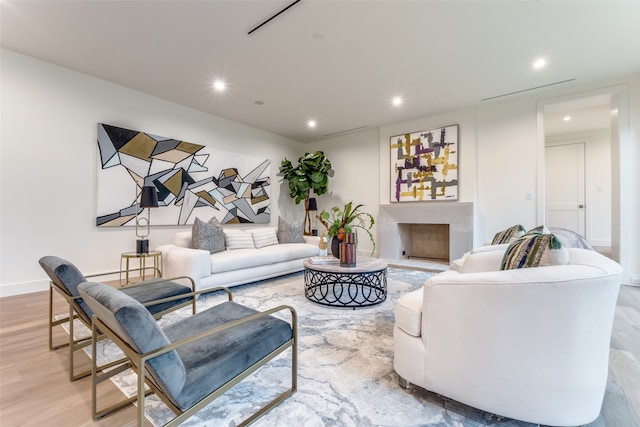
[
  {"x": 508, "y": 235},
  {"x": 535, "y": 250},
  {"x": 183, "y": 239},
  {"x": 208, "y": 236},
  {"x": 408, "y": 312},
  {"x": 264, "y": 237},
  {"x": 289, "y": 251},
  {"x": 241, "y": 258},
  {"x": 238, "y": 239},
  {"x": 290, "y": 232}
]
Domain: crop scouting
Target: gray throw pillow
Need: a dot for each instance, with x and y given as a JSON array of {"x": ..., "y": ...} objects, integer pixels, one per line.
[
  {"x": 290, "y": 233},
  {"x": 208, "y": 236}
]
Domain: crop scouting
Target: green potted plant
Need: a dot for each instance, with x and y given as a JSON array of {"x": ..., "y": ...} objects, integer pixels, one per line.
[
  {"x": 339, "y": 222},
  {"x": 311, "y": 174}
]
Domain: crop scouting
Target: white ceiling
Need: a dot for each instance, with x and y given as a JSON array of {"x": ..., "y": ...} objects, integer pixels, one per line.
[{"x": 338, "y": 62}]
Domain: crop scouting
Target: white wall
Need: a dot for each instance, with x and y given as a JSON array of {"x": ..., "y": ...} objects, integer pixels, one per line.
[
  {"x": 355, "y": 160},
  {"x": 597, "y": 145},
  {"x": 501, "y": 163},
  {"x": 48, "y": 163}
]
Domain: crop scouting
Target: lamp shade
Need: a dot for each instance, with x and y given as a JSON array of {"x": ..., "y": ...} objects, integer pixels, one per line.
[
  {"x": 149, "y": 197},
  {"x": 312, "y": 204}
]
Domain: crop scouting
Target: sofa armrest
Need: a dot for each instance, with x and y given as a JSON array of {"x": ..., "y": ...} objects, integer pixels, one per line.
[
  {"x": 482, "y": 261},
  {"x": 179, "y": 261}
]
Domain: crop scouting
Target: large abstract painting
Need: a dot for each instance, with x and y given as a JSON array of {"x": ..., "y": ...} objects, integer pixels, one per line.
[
  {"x": 424, "y": 165},
  {"x": 191, "y": 180}
]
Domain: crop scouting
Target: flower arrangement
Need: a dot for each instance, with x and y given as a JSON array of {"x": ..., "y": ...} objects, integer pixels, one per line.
[{"x": 346, "y": 220}]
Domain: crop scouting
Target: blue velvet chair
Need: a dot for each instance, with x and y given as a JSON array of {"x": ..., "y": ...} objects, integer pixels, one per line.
[
  {"x": 65, "y": 278},
  {"x": 190, "y": 362}
]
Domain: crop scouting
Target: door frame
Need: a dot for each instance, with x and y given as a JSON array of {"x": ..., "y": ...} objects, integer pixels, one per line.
[{"x": 621, "y": 168}]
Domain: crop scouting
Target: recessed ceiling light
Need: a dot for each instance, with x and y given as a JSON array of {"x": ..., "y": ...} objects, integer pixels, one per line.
[
  {"x": 219, "y": 85},
  {"x": 258, "y": 102},
  {"x": 318, "y": 36},
  {"x": 311, "y": 123},
  {"x": 539, "y": 63},
  {"x": 396, "y": 101},
  {"x": 566, "y": 118}
]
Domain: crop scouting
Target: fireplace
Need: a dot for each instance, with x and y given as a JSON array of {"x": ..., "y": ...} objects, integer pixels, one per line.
[
  {"x": 426, "y": 241},
  {"x": 431, "y": 230}
]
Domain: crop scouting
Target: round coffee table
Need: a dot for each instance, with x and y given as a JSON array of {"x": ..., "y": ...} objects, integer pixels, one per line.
[{"x": 360, "y": 286}]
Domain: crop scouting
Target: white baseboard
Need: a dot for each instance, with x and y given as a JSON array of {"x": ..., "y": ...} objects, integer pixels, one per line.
[{"x": 11, "y": 289}]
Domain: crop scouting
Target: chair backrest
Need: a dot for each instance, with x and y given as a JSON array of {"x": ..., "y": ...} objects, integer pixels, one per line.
[
  {"x": 133, "y": 323},
  {"x": 66, "y": 277}
]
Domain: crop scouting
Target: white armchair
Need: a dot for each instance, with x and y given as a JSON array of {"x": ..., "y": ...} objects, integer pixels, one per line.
[{"x": 530, "y": 344}]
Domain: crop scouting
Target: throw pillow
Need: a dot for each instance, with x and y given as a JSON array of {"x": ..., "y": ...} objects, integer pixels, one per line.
[
  {"x": 570, "y": 239},
  {"x": 508, "y": 235},
  {"x": 238, "y": 239},
  {"x": 290, "y": 233},
  {"x": 541, "y": 229},
  {"x": 208, "y": 236},
  {"x": 535, "y": 250},
  {"x": 262, "y": 238}
]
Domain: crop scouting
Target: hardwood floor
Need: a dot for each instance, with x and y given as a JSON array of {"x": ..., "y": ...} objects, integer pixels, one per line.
[
  {"x": 34, "y": 382},
  {"x": 35, "y": 388}
]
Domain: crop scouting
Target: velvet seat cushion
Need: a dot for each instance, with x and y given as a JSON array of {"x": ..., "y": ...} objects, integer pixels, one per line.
[
  {"x": 194, "y": 370},
  {"x": 213, "y": 361},
  {"x": 151, "y": 291},
  {"x": 133, "y": 323},
  {"x": 67, "y": 277}
]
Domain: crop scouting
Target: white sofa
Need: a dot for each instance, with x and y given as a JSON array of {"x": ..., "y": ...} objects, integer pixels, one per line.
[
  {"x": 530, "y": 344},
  {"x": 234, "y": 267}
]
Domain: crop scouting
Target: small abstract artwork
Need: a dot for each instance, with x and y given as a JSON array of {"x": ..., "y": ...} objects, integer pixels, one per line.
[
  {"x": 424, "y": 165},
  {"x": 191, "y": 180}
]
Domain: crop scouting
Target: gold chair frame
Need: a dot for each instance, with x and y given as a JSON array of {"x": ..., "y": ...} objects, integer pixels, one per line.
[
  {"x": 76, "y": 313},
  {"x": 136, "y": 362}
]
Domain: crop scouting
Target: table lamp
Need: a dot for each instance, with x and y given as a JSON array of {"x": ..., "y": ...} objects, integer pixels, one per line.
[
  {"x": 310, "y": 225},
  {"x": 148, "y": 199}
]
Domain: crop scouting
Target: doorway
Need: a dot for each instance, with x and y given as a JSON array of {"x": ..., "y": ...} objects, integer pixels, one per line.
[{"x": 616, "y": 160}]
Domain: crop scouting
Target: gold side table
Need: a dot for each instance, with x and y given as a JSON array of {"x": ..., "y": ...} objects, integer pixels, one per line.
[{"x": 156, "y": 267}]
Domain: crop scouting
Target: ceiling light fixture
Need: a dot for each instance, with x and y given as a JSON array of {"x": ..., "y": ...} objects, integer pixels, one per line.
[
  {"x": 219, "y": 86},
  {"x": 566, "y": 118},
  {"x": 397, "y": 101},
  {"x": 311, "y": 123},
  {"x": 539, "y": 63}
]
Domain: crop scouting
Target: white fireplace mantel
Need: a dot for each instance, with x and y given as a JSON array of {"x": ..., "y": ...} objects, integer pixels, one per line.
[{"x": 458, "y": 215}]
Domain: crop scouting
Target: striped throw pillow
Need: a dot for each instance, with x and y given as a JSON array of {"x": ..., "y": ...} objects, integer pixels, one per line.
[
  {"x": 535, "y": 250},
  {"x": 262, "y": 238},
  {"x": 508, "y": 235},
  {"x": 238, "y": 239}
]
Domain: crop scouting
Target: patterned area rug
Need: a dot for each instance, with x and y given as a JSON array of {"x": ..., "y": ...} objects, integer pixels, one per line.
[{"x": 345, "y": 368}]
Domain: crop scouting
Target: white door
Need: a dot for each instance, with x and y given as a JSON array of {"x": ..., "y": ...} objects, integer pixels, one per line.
[{"x": 565, "y": 203}]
